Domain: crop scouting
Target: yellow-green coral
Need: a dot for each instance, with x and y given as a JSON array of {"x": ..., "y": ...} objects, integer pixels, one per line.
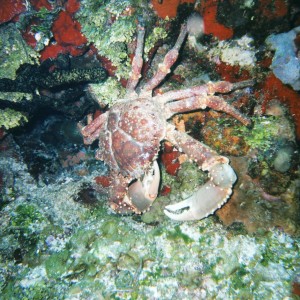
[
  {"x": 10, "y": 118},
  {"x": 109, "y": 38},
  {"x": 157, "y": 34},
  {"x": 15, "y": 96},
  {"x": 13, "y": 51},
  {"x": 108, "y": 92},
  {"x": 111, "y": 26}
]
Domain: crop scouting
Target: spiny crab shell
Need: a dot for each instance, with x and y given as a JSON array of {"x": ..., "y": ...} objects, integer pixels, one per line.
[
  {"x": 132, "y": 138},
  {"x": 131, "y": 132}
]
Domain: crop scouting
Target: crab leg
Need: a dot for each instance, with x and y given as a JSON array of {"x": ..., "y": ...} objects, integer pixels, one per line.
[
  {"x": 137, "y": 62},
  {"x": 117, "y": 192},
  {"x": 169, "y": 60},
  {"x": 91, "y": 131},
  {"x": 206, "y": 89},
  {"x": 213, "y": 194},
  {"x": 201, "y": 102}
]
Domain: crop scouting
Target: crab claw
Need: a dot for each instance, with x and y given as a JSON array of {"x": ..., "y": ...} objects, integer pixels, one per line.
[
  {"x": 141, "y": 194},
  {"x": 211, "y": 196}
]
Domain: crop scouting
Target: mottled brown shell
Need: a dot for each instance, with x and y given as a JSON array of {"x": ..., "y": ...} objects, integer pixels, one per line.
[{"x": 131, "y": 139}]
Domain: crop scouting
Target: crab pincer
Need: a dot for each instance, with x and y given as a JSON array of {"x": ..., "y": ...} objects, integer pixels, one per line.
[
  {"x": 209, "y": 197},
  {"x": 214, "y": 193},
  {"x": 142, "y": 193}
]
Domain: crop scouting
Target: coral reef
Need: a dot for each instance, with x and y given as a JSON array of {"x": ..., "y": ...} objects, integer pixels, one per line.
[
  {"x": 265, "y": 158},
  {"x": 108, "y": 256},
  {"x": 58, "y": 237},
  {"x": 108, "y": 92},
  {"x": 13, "y": 51},
  {"x": 24, "y": 84},
  {"x": 263, "y": 201},
  {"x": 109, "y": 37},
  {"x": 120, "y": 257},
  {"x": 32, "y": 77}
]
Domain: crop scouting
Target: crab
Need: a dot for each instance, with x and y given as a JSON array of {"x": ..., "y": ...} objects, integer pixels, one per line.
[{"x": 130, "y": 134}]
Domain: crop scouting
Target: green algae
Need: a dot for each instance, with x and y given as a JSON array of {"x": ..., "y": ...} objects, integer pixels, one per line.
[
  {"x": 109, "y": 39},
  {"x": 15, "y": 96},
  {"x": 28, "y": 229},
  {"x": 26, "y": 221},
  {"x": 39, "y": 291},
  {"x": 190, "y": 177},
  {"x": 42, "y": 28},
  {"x": 108, "y": 92},
  {"x": 159, "y": 32},
  {"x": 56, "y": 266},
  {"x": 111, "y": 26},
  {"x": 264, "y": 131},
  {"x": 10, "y": 118},
  {"x": 177, "y": 234},
  {"x": 13, "y": 51},
  {"x": 229, "y": 137}
]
